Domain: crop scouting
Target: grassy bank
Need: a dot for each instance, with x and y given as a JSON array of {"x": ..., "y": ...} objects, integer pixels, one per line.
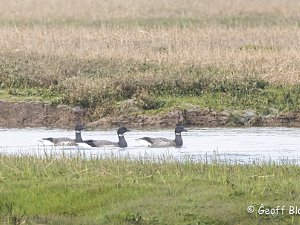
[
  {"x": 220, "y": 55},
  {"x": 104, "y": 86},
  {"x": 113, "y": 191}
]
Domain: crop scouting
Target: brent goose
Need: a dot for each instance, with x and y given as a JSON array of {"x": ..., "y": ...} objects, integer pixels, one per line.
[
  {"x": 164, "y": 142},
  {"x": 64, "y": 141},
  {"x": 100, "y": 143}
]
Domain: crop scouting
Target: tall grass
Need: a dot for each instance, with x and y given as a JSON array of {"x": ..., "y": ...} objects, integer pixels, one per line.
[
  {"x": 269, "y": 53},
  {"x": 120, "y": 191},
  {"x": 97, "y": 55}
]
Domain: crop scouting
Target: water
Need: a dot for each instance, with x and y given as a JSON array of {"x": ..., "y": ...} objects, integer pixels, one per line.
[{"x": 242, "y": 145}]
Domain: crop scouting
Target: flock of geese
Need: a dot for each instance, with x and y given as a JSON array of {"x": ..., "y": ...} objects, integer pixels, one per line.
[{"x": 151, "y": 142}]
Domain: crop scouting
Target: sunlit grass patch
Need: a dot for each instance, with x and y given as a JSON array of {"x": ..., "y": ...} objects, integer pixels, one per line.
[{"x": 30, "y": 94}]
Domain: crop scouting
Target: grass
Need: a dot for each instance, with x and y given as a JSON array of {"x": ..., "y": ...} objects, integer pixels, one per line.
[
  {"x": 29, "y": 94},
  {"x": 103, "y": 86},
  {"x": 228, "y": 21},
  {"x": 92, "y": 10},
  {"x": 221, "y": 55},
  {"x": 120, "y": 191},
  {"x": 160, "y": 56},
  {"x": 262, "y": 100}
]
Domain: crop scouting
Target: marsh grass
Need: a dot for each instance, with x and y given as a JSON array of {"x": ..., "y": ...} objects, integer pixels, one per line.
[
  {"x": 237, "y": 54},
  {"x": 102, "y": 85},
  {"x": 67, "y": 190}
]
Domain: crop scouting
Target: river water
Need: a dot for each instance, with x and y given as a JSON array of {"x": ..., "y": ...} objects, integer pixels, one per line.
[{"x": 241, "y": 145}]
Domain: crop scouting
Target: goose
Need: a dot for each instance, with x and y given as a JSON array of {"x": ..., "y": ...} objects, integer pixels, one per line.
[
  {"x": 164, "y": 142},
  {"x": 101, "y": 143},
  {"x": 64, "y": 141}
]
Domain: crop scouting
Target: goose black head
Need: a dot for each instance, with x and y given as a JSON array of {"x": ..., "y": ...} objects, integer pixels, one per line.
[
  {"x": 79, "y": 127},
  {"x": 122, "y": 130},
  {"x": 179, "y": 129}
]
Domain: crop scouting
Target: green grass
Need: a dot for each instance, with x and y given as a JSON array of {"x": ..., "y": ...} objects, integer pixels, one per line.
[
  {"x": 283, "y": 99},
  {"x": 29, "y": 94},
  {"x": 119, "y": 191}
]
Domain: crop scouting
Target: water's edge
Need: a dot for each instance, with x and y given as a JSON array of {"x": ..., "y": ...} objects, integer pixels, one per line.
[{"x": 41, "y": 114}]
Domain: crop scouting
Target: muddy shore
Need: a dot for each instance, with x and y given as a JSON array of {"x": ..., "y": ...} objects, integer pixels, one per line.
[{"x": 39, "y": 114}]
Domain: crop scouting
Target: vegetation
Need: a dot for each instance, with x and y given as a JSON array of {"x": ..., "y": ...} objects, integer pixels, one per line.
[
  {"x": 159, "y": 55},
  {"x": 51, "y": 190},
  {"x": 219, "y": 55},
  {"x": 100, "y": 83}
]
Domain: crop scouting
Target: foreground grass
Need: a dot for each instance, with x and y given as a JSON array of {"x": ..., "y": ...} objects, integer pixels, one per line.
[{"x": 118, "y": 191}]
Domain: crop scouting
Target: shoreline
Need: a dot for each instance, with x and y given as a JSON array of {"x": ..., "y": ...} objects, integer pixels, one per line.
[{"x": 41, "y": 114}]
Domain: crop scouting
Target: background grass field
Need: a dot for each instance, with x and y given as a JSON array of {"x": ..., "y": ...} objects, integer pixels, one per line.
[{"x": 97, "y": 54}]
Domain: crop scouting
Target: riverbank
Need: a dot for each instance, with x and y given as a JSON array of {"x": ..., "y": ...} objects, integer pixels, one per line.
[
  {"x": 40, "y": 114},
  {"x": 63, "y": 190},
  {"x": 217, "y": 64}
]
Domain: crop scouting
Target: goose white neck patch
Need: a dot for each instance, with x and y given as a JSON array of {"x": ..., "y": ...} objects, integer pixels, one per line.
[
  {"x": 121, "y": 135},
  {"x": 77, "y": 131},
  {"x": 177, "y": 134}
]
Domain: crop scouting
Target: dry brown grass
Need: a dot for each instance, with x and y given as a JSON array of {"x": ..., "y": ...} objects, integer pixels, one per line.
[
  {"x": 273, "y": 53},
  {"x": 101, "y": 9},
  {"x": 94, "y": 52}
]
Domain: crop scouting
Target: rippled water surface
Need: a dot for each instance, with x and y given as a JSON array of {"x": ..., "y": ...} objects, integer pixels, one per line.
[{"x": 229, "y": 144}]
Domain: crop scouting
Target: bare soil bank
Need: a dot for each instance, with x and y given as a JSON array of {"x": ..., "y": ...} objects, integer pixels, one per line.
[{"x": 39, "y": 114}]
